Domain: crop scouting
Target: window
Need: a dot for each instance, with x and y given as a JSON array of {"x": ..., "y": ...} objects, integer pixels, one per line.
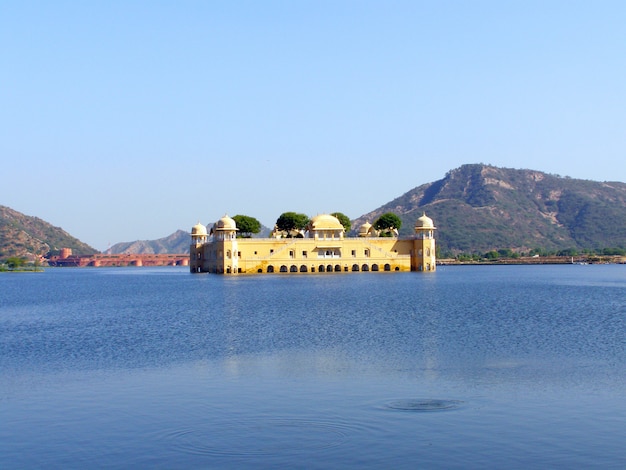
[
  {"x": 291, "y": 254},
  {"x": 304, "y": 254},
  {"x": 367, "y": 253},
  {"x": 354, "y": 253}
]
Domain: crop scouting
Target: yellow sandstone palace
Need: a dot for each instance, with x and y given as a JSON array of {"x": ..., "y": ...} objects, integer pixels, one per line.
[{"x": 321, "y": 248}]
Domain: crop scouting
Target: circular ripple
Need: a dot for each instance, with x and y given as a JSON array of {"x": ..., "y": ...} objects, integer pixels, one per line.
[
  {"x": 260, "y": 437},
  {"x": 424, "y": 405}
]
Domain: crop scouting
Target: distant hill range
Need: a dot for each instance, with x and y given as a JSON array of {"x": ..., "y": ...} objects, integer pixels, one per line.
[
  {"x": 478, "y": 208},
  {"x": 177, "y": 242},
  {"x": 25, "y": 236}
]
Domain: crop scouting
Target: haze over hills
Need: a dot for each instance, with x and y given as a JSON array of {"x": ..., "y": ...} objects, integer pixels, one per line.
[
  {"x": 476, "y": 208},
  {"x": 177, "y": 242},
  {"x": 479, "y": 207}
]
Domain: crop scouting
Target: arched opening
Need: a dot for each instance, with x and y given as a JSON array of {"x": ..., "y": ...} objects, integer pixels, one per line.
[
  {"x": 355, "y": 267},
  {"x": 337, "y": 268},
  {"x": 397, "y": 268},
  {"x": 321, "y": 268},
  {"x": 303, "y": 269},
  {"x": 387, "y": 267},
  {"x": 293, "y": 269},
  {"x": 374, "y": 267},
  {"x": 270, "y": 269},
  {"x": 329, "y": 268},
  {"x": 365, "y": 267},
  {"x": 283, "y": 269},
  {"x": 259, "y": 270}
]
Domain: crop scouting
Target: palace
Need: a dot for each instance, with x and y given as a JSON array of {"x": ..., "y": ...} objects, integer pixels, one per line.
[{"x": 321, "y": 248}]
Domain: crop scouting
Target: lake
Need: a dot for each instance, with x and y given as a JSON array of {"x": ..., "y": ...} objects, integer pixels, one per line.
[{"x": 467, "y": 367}]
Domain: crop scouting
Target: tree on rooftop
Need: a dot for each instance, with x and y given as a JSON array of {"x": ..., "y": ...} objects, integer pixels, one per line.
[
  {"x": 388, "y": 222},
  {"x": 292, "y": 221},
  {"x": 247, "y": 225}
]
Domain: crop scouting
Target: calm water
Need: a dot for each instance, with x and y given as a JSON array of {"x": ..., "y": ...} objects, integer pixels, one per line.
[{"x": 468, "y": 367}]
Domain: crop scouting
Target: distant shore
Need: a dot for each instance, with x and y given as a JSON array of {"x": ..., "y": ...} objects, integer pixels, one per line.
[{"x": 537, "y": 260}]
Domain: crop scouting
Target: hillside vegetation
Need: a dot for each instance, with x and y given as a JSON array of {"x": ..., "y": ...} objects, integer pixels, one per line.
[
  {"x": 28, "y": 237},
  {"x": 478, "y": 208}
]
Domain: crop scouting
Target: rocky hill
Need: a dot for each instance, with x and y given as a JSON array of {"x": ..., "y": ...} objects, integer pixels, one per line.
[
  {"x": 26, "y": 237},
  {"x": 478, "y": 207},
  {"x": 177, "y": 242}
]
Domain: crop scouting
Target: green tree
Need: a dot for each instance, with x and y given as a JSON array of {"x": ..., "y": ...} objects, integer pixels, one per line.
[
  {"x": 387, "y": 222},
  {"x": 344, "y": 219},
  {"x": 292, "y": 221},
  {"x": 493, "y": 254},
  {"x": 15, "y": 262},
  {"x": 247, "y": 225}
]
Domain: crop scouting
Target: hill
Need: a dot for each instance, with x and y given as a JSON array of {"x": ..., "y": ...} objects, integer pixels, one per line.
[
  {"x": 478, "y": 208},
  {"x": 177, "y": 242},
  {"x": 27, "y": 237}
]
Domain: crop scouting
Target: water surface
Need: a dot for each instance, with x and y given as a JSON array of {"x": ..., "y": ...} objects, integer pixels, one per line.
[{"x": 468, "y": 367}]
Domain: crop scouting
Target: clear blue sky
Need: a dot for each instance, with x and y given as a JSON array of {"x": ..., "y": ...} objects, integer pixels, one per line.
[{"x": 126, "y": 120}]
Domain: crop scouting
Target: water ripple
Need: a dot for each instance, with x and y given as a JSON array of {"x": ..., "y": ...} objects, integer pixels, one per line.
[
  {"x": 422, "y": 405},
  {"x": 257, "y": 437}
]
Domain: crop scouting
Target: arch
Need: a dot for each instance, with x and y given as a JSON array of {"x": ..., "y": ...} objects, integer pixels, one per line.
[
  {"x": 365, "y": 267},
  {"x": 374, "y": 267},
  {"x": 259, "y": 270},
  {"x": 303, "y": 269},
  {"x": 329, "y": 268},
  {"x": 321, "y": 268},
  {"x": 387, "y": 267},
  {"x": 397, "y": 268},
  {"x": 355, "y": 267},
  {"x": 283, "y": 269},
  {"x": 270, "y": 269},
  {"x": 337, "y": 268},
  {"x": 293, "y": 268}
]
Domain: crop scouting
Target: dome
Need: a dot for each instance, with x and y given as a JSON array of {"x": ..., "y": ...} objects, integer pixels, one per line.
[
  {"x": 198, "y": 230},
  {"x": 424, "y": 222},
  {"x": 226, "y": 223},
  {"x": 325, "y": 222},
  {"x": 365, "y": 228}
]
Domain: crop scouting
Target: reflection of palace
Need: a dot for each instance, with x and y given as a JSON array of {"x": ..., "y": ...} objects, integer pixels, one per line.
[{"x": 320, "y": 248}]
